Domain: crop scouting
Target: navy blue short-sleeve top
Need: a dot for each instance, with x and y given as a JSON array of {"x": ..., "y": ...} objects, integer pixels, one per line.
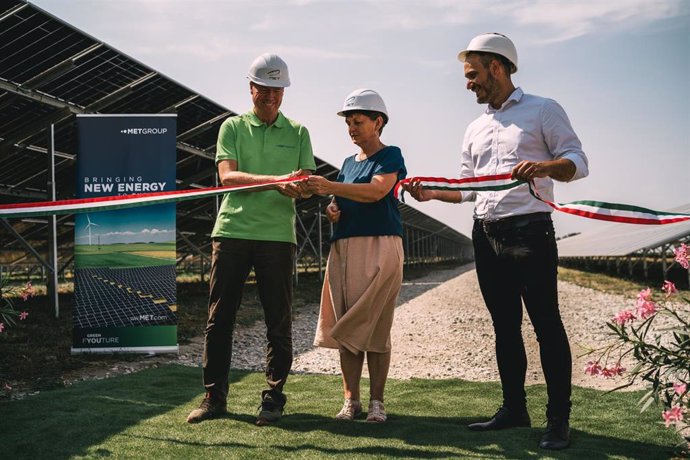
[{"x": 370, "y": 219}]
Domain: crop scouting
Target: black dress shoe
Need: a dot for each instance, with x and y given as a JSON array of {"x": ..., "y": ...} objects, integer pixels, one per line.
[
  {"x": 557, "y": 434},
  {"x": 504, "y": 418}
]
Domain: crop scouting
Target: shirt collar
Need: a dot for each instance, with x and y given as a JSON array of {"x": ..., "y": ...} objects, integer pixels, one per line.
[
  {"x": 514, "y": 98},
  {"x": 255, "y": 121}
]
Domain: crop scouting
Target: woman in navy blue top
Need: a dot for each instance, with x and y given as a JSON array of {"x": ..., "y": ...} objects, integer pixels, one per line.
[{"x": 364, "y": 271}]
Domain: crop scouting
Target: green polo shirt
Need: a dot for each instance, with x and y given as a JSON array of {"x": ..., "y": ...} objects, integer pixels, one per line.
[{"x": 277, "y": 149}]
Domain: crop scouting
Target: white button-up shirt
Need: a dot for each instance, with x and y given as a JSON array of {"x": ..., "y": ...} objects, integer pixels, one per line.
[{"x": 526, "y": 127}]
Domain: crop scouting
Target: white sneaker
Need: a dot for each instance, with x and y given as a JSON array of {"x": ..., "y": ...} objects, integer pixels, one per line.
[
  {"x": 351, "y": 409},
  {"x": 377, "y": 413}
]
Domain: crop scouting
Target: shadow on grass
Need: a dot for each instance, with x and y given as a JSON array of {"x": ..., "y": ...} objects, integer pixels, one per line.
[
  {"x": 142, "y": 415},
  {"x": 444, "y": 433},
  {"x": 421, "y": 437}
]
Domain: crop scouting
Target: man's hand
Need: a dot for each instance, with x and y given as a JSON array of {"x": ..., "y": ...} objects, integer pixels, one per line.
[
  {"x": 333, "y": 212},
  {"x": 528, "y": 170},
  {"x": 418, "y": 192},
  {"x": 293, "y": 189},
  {"x": 299, "y": 172},
  {"x": 561, "y": 170}
]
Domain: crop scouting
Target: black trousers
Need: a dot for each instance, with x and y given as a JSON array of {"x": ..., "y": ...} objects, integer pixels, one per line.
[
  {"x": 517, "y": 261},
  {"x": 232, "y": 261}
]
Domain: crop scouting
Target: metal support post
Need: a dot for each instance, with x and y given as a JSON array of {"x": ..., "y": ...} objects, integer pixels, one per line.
[{"x": 52, "y": 276}]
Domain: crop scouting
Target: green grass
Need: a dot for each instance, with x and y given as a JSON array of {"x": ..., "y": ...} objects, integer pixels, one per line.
[
  {"x": 123, "y": 255},
  {"x": 142, "y": 416},
  {"x": 606, "y": 283}
]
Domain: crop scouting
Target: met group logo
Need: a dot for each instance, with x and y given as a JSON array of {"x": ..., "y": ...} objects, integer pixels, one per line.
[{"x": 144, "y": 131}]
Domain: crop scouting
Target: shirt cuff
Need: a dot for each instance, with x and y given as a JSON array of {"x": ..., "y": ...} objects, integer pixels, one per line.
[
  {"x": 468, "y": 196},
  {"x": 581, "y": 169}
]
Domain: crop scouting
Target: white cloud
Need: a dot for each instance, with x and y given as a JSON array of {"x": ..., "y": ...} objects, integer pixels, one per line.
[
  {"x": 319, "y": 53},
  {"x": 118, "y": 233},
  {"x": 266, "y": 23},
  {"x": 146, "y": 231},
  {"x": 555, "y": 20},
  {"x": 155, "y": 231},
  {"x": 212, "y": 50},
  {"x": 567, "y": 20}
]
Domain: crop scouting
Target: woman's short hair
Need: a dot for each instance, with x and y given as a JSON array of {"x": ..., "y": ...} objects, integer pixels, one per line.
[{"x": 371, "y": 114}]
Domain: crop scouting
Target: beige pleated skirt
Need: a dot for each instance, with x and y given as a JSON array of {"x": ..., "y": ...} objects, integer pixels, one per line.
[{"x": 360, "y": 290}]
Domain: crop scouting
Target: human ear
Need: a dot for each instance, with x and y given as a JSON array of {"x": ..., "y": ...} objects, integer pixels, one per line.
[{"x": 494, "y": 67}]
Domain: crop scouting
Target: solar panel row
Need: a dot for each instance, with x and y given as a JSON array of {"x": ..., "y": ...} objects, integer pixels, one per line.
[{"x": 143, "y": 296}]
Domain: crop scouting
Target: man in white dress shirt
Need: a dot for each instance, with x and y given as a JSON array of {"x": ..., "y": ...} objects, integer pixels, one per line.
[{"x": 513, "y": 236}]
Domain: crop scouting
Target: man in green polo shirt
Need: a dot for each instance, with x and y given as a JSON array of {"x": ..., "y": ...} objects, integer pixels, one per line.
[{"x": 255, "y": 229}]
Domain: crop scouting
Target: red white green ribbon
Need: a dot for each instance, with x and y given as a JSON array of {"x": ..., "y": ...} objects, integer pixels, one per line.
[
  {"x": 468, "y": 184},
  {"x": 110, "y": 203},
  {"x": 614, "y": 212},
  {"x": 599, "y": 210}
]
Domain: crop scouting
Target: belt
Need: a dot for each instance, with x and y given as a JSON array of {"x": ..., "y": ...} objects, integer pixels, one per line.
[{"x": 512, "y": 222}]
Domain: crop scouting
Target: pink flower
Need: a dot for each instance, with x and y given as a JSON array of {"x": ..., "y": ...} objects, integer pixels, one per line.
[
  {"x": 623, "y": 317},
  {"x": 680, "y": 388},
  {"x": 28, "y": 291},
  {"x": 2, "y": 327},
  {"x": 645, "y": 294},
  {"x": 618, "y": 369},
  {"x": 7, "y": 387},
  {"x": 23, "y": 315},
  {"x": 646, "y": 309},
  {"x": 592, "y": 368},
  {"x": 674, "y": 414},
  {"x": 612, "y": 371},
  {"x": 669, "y": 288},
  {"x": 682, "y": 256}
]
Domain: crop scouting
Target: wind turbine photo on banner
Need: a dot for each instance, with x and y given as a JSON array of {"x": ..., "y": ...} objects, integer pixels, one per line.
[{"x": 88, "y": 227}]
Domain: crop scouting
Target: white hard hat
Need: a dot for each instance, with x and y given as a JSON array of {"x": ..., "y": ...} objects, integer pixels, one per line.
[
  {"x": 364, "y": 99},
  {"x": 493, "y": 43},
  {"x": 269, "y": 70}
]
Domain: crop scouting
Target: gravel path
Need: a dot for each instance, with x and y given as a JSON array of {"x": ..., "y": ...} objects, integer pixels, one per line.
[{"x": 442, "y": 330}]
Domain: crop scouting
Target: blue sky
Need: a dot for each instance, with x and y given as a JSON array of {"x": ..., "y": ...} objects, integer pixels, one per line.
[
  {"x": 150, "y": 224},
  {"x": 619, "y": 68}
]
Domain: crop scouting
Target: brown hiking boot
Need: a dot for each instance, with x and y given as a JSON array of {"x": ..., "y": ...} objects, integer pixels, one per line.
[
  {"x": 271, "y": 408},
  {"x": 209, "y": 408}
]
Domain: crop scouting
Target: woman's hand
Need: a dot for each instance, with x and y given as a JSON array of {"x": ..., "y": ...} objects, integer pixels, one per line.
[
  {"x": 418, "y": 191},
  {"x": 318, "y": 185},
  {"x": 333, "y": 212}
]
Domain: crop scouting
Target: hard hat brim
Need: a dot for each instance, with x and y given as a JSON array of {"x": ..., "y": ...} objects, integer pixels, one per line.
[
  {"x": 462, "y": 57},
  {"x": 343, "y": 113},
  {"x": 269, "y": 83}
]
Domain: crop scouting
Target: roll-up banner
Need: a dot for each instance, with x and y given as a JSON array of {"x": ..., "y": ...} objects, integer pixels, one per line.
[{"x": 124, "y": 287}]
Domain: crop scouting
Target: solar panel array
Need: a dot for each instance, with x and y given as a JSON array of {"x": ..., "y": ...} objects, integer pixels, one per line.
[
  {"x": 117, "y": 297},
  {"x": 50, "y": 71}
]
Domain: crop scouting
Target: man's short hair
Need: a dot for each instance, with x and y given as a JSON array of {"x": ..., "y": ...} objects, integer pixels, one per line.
[{"x": 486, "y": 58}]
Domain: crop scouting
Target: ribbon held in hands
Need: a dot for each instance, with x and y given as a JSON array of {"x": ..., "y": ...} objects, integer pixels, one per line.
[
  {"x": 110, "y": 203},
  {"x": 600, "y": 210}
]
